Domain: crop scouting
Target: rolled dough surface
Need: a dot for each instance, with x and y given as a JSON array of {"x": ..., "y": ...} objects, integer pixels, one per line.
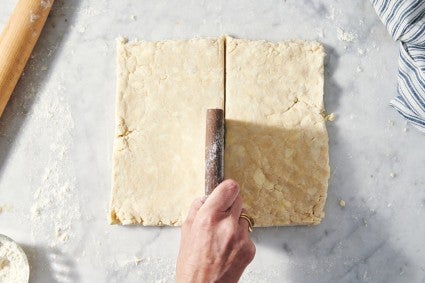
[
  {"x": 276, "y": 139},
  {"x": 163, "y": 91}
]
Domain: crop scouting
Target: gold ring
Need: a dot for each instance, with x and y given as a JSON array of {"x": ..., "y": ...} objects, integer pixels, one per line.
[{"x": 250, "y": 220}]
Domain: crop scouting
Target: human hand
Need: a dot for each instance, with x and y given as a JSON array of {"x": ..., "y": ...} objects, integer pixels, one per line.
[{"x": 215, "y": 245}]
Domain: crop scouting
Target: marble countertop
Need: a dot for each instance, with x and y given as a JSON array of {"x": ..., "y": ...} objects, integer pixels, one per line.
[{"x": 57, "y": 131}]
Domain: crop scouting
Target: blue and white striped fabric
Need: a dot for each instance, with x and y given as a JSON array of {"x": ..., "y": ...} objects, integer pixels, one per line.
[{"x": 405, "y": 20}]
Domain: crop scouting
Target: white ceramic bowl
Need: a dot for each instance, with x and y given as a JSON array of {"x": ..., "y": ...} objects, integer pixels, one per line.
[{"x": 14, "y": 265}]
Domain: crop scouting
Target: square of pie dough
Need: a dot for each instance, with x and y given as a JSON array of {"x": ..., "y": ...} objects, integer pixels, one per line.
[
  {"x": 163, "y": 91},
  {"x": 276, "y": 139}
]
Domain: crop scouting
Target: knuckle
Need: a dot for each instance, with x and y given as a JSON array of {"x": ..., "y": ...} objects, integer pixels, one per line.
[
  {"x": 249, "y": 251},
  {"x": 232, "y": 228},
  {"x": 230, "y": 234},
  {"x": 208, "y": 220}
]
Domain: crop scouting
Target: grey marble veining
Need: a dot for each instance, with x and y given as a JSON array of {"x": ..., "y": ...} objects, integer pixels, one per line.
[{"x": 56, "y": 144}]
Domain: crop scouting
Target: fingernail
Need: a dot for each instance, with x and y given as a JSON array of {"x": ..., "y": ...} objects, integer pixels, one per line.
[
  {"x": 204, "y": 198},
  {"x": 231, "y": 185}
]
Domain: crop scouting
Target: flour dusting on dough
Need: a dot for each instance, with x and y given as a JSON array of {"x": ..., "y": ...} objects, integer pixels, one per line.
[{"x": 213, "y": 153}]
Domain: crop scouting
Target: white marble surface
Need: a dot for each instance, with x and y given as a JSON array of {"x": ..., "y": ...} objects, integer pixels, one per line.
[{"x": 56, "y": 142}]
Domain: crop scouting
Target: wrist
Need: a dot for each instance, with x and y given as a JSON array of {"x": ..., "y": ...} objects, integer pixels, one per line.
[{"x": 195, "y": 276}]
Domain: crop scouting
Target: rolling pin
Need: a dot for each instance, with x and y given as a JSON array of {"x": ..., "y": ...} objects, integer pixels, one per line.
[
  {"x": 17, "y": 41},
  {"x": 214, "y": 149}
]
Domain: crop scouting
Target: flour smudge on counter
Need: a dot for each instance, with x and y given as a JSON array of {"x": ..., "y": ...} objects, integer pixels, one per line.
[
  {"x": 55, "y": 209},
  {"x": 55, "y": 217}
]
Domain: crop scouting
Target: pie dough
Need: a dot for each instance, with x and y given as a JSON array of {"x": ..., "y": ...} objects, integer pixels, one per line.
[
  {"x": 164, "y": 89},
  {"x": 276, "y": 139}
]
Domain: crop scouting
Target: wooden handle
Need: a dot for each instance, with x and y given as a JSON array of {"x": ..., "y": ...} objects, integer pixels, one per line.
[
  {"x": 214, "y": 149},
  {"x": 17, "y": 41}
]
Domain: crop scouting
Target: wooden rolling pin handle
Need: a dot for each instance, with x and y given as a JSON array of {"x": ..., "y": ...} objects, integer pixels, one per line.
[
  {"x": 17, "y": 41},
  {"x": 214, "y": 149}
]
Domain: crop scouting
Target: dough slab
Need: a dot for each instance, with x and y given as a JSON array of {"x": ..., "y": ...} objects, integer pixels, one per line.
[
  {"x": 276, "y": 139},
  {"x": 164, "y": 89}
]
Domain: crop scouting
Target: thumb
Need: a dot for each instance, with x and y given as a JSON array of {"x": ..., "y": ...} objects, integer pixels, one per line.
[{"x": 223, "y": 197}]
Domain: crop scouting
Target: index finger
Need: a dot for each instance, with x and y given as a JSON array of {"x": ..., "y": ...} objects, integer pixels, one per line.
[{"x": 196, "y": 205}]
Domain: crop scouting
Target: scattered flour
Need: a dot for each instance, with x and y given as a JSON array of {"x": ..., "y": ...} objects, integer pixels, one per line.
[
  {"x": 4, "y": 208},
  {"x": 137, "y": 260},
  {"x": 345, "y": 36},
  {"x": 333, "y": 13},
  {"x": 45, "y": 4},
  {"x": 320, "y": 32},
  {"x": 142, "y": 270},
  {"x": 34, "y": 17},
  {"x": 88, "y": 10},
  {"x": 55, "y": 210},
  {"x": 80, "y": 28},
  {"x": 54, "y": 214}
]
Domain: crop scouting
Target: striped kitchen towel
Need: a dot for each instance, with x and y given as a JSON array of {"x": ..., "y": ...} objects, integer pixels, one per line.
[{"x": 405, "y": 20}]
